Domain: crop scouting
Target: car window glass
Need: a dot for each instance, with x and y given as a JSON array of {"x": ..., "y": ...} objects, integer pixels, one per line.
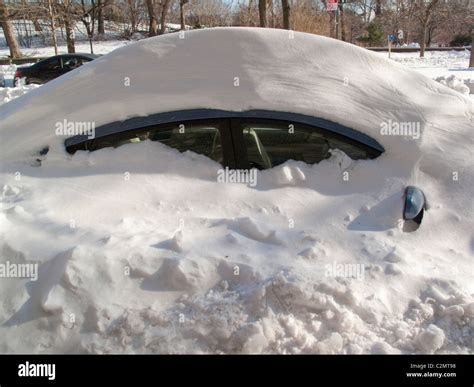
[
  {"x": 271, "y": 144},
  {"x": 200, "y": 138},
  {"x": 53, "y": 64},
  {"x": 72, "y": 63}
]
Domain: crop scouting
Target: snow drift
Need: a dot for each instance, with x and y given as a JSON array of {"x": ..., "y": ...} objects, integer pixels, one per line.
[{"x": 140, "y": 249}]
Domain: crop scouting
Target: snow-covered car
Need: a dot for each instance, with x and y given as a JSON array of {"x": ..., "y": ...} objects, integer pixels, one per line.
[
  {"x": 121, "y": 181},
  {"x": 51, "y": 68},
  {"x": 257, "y": 139}
]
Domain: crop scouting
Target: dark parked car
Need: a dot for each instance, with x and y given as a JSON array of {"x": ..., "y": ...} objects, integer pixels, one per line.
[{"x": 51, "y": 68}]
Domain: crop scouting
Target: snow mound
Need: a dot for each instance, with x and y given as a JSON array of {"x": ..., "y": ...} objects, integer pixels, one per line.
[
  {"x": 8, "y": 94},
  {"x": 139, "y": 248},
  {"x": 232, "y": 69},
  {"x": 454, "y": 83}
]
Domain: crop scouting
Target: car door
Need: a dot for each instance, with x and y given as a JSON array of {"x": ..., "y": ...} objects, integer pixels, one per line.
[
  {"x": 265, "y": 143},
  {"x": 209, "y": 137},
  {"x": 51, "y": 69}
]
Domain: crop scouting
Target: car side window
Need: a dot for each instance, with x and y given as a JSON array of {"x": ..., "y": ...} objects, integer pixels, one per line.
[
  {"x": 201, "y": 138},
  {"x": 269, "y": 144},
  {"x": 52, "y": 65}
]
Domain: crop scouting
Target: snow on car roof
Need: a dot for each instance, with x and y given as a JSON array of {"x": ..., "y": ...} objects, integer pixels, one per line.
[
  {"x": 234, "y": 69},
  {"x": 164, "y": 217}
]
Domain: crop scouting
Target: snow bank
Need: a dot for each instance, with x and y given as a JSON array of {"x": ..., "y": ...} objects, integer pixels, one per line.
[
  {"x": 140, "y": 249},
  {"x": 441, "y": 59},
  {"x": 455, "y": 84},
  {"x": 451, "y": 68},
  {"x": 8, "y": 94}
]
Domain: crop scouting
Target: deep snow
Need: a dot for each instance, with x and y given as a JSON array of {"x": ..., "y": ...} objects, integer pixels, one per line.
[
  {"x": 450, "y": 68},
  {"x": 142, "y": 250}
]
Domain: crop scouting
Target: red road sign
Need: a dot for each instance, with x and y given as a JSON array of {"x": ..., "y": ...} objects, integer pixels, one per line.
[{"x": 331, "y": 5}]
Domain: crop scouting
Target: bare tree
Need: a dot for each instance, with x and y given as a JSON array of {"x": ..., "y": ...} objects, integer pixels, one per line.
[
  {"x": 342, "y": 22},
  {"x": 165, "y": 6},
  {"x": 378, "y": 7},
  {"x": 133, "y": 12},
  {"x": 471, "y": 61},
  {"x": 52, "y": 24},
  {"x": 37, "y": 24},
  {"x": 88, "y": 18},
  {"x": 67, "y": 16},
  {"x": 272, "y": 13},
  {"x": 8, "y": 31},
  {"x": 285, "y": 5},
  {"x": 153, "y": 25},
  {"x": 68, "y": 24},
  {"x": 262, "y": 12},
  {"x": 211, "y": 13},
  {"x": 307, "y": 16},
  {"x": 182, "y": 3},
  {"x": 424, "y": 10},
  {"x": 100, "y": 16}
]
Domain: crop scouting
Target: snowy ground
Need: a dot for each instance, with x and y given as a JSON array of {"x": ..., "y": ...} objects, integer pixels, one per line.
[
  {"x": 166, "y": 259},
  {"x": 108, "y": 42},
  {"x": 101, "y": 47},
  {"x": 450, "y": 68}
]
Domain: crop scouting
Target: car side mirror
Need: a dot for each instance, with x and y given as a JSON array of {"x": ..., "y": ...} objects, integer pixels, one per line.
[{"x": 415, "y": 204}]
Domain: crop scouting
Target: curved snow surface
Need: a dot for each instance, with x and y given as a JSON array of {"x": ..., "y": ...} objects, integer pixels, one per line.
[{"x": 140, "y": 249}]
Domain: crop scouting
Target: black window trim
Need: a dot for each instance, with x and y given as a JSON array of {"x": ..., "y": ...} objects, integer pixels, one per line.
[{"x": 202, "y": 114}]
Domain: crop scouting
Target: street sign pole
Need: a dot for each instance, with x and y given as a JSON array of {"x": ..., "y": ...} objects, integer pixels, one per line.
[{"x": 391, "y": 39}]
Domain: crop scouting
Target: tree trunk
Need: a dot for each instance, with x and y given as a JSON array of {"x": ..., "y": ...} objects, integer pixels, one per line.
[
  {"x": 89, "y": 25},
  {"x": 100, "y": 17},
  {"x": 93, "y": 13},
  {"x": 164, "y": 13},
  {"x": 65, "y": 11},
  {"x": 262, "y": 12},
  {"x": 378, "y": 7},
  {"x": 37, "y": 25},
  {"x": 248, "y": 21},
  {"x": 272, "y": 13},
  {"x": 71, "y": 49},
  {"x": 181, "y": 14},
  {"x": 133, "y": 20},
  {"x": 285, "y": 5},
  {"x": 342, "y": 21},
  {"x": 8, "y": 32},
  {"x": 153, "y": 28},
  {"x": 89, "y": 31},
  {"x": 426, "y": 12},
  {"x": 332, "y": 19},
  {"x": 423, "y": 39},
  {"x": 471, "y": 61},
  {"x": 53, "y": 27},
  {"x": 429, "y": 33}
]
